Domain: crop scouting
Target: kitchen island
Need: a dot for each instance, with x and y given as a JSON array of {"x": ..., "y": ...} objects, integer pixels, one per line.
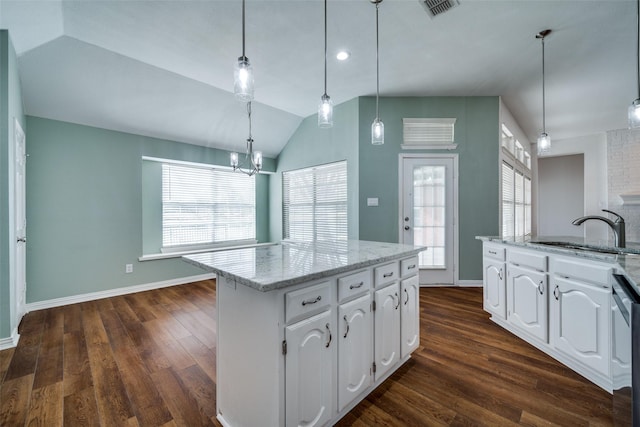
[{"x": 305, "y": 331}]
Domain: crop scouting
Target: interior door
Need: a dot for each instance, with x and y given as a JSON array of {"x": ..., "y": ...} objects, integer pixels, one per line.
[
  {"x": 20, "y": 222},
  {"x": 428, "y": 214}
]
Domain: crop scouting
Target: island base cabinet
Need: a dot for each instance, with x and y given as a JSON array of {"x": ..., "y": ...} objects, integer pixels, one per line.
[
  {"x": 308, "y": 371},
  {"x": 387, "y": 325},
  {"x": 409, "y": 316},
  {"x": 527, "y": 307},
  {"x": 581, "y": 322},
  {"x": 355, "y": 349}
]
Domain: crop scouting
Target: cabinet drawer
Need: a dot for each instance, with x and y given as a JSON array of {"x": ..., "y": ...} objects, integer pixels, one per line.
[
  {"x": 530, "y": 259},
  {"x": 493, "y": 251},
  {"x": 385, "y": 274},
  {"x": 586, "y": 271},
  {"x": 409, "y": 266},
  {"x": 303, "y": 302},
  {"x": 354, "y": 284}
]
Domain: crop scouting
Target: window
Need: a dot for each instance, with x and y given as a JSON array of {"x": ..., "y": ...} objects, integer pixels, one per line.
[
  {"x": 315, "y": 203},
  {"x": 426, "y": 133},
  {"x": 203, "y": 206},
  {"x": 516, "y": 187}
]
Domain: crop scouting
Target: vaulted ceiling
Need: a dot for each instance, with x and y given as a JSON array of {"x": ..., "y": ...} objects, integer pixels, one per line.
[{"x": 165, "y": 68}]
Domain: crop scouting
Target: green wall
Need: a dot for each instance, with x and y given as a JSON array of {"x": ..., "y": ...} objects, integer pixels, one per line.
[
  {"x": 477, "y": 136},
  {"x": 10, "y": 108},
  {"x": 85, "y": 208},
  {"x": 310, "y": 146}
]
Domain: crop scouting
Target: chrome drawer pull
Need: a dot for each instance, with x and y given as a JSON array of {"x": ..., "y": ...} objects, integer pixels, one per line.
[
  {"x": 411, "y": 267},
  {"x": 312, "y": 301},
  {"x": 385, "y": 275},
  {"x": 493, "y": 253},
  {"x": 359, "y": 285}
]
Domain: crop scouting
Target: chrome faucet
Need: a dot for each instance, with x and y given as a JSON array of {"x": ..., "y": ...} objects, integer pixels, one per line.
[{"x": 617, "y": 226}]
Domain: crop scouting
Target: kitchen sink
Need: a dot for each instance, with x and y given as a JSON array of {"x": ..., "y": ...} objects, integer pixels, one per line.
[{"x": 577, "y": 247}]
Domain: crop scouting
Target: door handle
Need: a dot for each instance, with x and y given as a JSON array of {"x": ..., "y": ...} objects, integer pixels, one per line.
[
  {"x": 406, "y": 227},
  {"x": 406, "y": 218}
]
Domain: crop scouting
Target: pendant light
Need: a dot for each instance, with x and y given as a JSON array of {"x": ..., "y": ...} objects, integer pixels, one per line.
[
  {"x": 634, "y": 108},
  {"x": 377, "y": 128},
  {"x": 544, "y": 141},
  {"x": 252, "y": 163},
  {"x": 325, "y": 109},
  {"x": 243, "y": 73}
]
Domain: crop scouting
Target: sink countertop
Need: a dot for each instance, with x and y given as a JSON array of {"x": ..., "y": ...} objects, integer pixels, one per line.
[
  {"x": 280, "y": 265},
  {"x": 628, "y": 263}
]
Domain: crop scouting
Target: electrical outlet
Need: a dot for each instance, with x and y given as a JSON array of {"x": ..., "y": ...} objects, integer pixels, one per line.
[{"x": 128, "y": 268}]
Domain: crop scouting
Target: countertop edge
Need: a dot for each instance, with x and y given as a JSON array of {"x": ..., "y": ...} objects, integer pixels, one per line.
[{"x": 304, "y": 278}]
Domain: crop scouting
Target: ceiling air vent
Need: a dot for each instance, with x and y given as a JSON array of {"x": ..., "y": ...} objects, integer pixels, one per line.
[{"x": 437, "y": 7}]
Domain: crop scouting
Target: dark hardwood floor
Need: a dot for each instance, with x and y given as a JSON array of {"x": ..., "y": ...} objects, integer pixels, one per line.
[{"x": 148, "y": 359}]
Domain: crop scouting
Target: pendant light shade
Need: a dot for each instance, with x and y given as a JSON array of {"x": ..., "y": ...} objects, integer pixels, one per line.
[
  {"x": 243, "y": 72},
  {"x": 634, "y": 108},
  {"x": 325, "y": 108},
  {"x": 544, "y": 141},
  {"x": 377, "y": 128}
]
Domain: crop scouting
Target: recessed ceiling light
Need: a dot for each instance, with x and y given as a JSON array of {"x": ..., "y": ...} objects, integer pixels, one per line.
[{"x": 343, "y": 55}]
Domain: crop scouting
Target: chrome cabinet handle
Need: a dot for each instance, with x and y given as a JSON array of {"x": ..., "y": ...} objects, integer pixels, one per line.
[
  {"x": 312, "y": 301},
  {"x": 387, "y": 274},
  {"x": 556, "y": 293},
  {"x": 407, "y": 294},
  {"x": 500, "y": 274},
  {"x": 411, "y": 267},
  {"x": 346, "y": 321},
  {"x": 359, "y": 285},
  {"x": 541, "y": 288},
  {"x": 329, "y": 331},
  {"x": 397, "y": 299},
  {"x": 493, "y": 252}
]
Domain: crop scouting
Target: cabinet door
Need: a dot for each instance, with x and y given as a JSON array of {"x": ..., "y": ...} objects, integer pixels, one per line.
[
  {"x": 527, "y": 306},
  {"x": 355, "y": 349},
  {"x": 580, "y": 325},
  {"x": 387, "y": 329},
  {"x": 308, "y": 371},
  {"x": 409, "y": 316},
  {"x": 494, "y": 288}
]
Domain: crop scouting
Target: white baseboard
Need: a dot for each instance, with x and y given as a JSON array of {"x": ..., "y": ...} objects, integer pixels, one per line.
[
  {"x": 74, "y": 299},
  {"x": 10, "y": 342},
  {"x": 470, "y": 283}
]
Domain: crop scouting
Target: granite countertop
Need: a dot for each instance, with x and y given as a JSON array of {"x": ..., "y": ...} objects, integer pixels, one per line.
[
  {"x": 627, "y": 259},
  {"x": 280, "y": 265}
]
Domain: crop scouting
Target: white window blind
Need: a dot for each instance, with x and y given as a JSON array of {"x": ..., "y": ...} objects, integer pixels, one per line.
[
  {"x": 430, "y": 133},
  {"x": 516, "y": 202},
  {"x": 315, "y": 203},
  {"x": 508, "y": 196},
  {"x": 202, "y": 206}
]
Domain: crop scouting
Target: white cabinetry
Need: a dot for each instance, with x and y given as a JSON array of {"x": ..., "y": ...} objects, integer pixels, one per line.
[
  {"x": 527, "y": 304},
  {"x": 387, "y": 326},
  {"x": 309, "y": 370},
  {"x": 581, "y": 312},
  {"x": 409, "y": 316},
  {"x": 494, "y": 279}
]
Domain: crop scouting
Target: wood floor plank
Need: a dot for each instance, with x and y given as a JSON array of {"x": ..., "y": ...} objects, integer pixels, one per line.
[
  {"x": 5, "y": 359},
  {"x": 77, "y": 369},
  {"x": 25, "y": 357},
  {"x": 81, "y": 409},
  {"x": 203, "y": 355},
  {"x": 15, "y": 396},
  {"x": 46, "y": 406},
  {"x": 50, "y": 369}
]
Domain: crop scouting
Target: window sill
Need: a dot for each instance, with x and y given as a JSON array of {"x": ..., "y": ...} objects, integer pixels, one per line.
[{"x": 153, "y": 257}]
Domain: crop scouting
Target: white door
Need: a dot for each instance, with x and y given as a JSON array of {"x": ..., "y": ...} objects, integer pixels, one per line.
[
  {"x": 428, "y": 214},
  {"x": 409, "y": 316},
  {"x": 308, "y": 371},
  {"x": 354, "y": 349},
  {"x": 20, "y": 222},
  {"x": 586, "y": 340},
  {"x": 527, "y": 306},
  {"x": 387, "y": 326}
]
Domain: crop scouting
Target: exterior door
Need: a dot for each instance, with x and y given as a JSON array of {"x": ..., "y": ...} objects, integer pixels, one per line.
[
  {"x": 428, "y": 213},
  {"x": 20, "y": 222}
]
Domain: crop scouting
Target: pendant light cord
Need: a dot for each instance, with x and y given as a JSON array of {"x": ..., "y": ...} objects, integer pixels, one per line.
[
  {"x": 638, "y": 46},
  {"x": 249, "y": 114},
  {"x": 243, "y": 55},
  {"x": 378, "y": 63},
  {"x": 325, "y": 47},
  {"x": 544, "y": 126}
]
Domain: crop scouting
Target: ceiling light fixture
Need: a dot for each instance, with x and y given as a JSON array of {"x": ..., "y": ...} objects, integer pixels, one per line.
[
  {"x": 634, "y": 108},
  {"x": 544, "y": 141},
  {"x": 325, "y": 109},
  {"x": 243, "y": 73},
  {"x": 343, "y": 55},
  {"x": 252, "y": 159},
  {"x": 377, "y": 128}
]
